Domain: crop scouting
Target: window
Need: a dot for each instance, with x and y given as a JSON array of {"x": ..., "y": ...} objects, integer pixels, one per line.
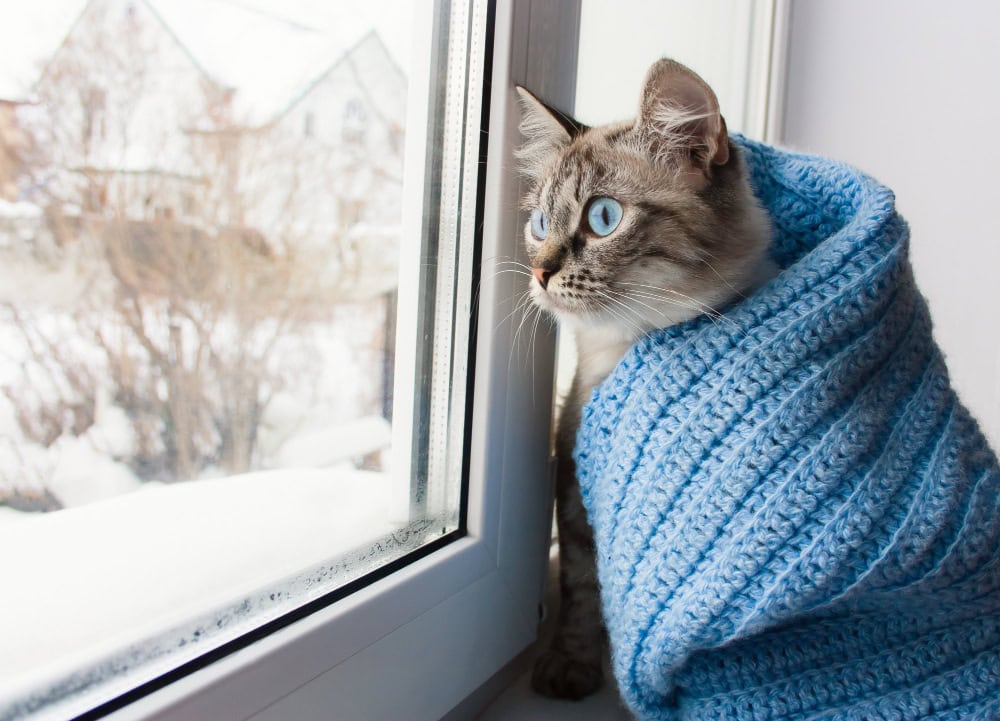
[
  {"x": 355, "y": 122},
  {"x": 198, "y": 434},
  {"x": 297, "y": 635}
]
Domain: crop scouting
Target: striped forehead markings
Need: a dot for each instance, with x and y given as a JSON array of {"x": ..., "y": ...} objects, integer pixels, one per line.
[
  {"x": 563, "y": 173},
  {"x": 574, "y": 169}
]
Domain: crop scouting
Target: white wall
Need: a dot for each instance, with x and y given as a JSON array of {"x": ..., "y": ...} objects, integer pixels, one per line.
[
  {"x": 620, "y": 39},
  {"x": 909, "y": 91}
]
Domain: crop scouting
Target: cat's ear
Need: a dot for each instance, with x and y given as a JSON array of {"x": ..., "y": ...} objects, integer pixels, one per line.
[
  {"x": 545, "y": 131},
  {"x": 680, "y": 115}
]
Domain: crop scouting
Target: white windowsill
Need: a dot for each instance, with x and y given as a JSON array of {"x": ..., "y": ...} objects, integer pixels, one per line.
[{"x": 517, "y": 702}]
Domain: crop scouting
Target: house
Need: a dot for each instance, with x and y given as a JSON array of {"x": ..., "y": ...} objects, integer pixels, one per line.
[{"x": 147, "y": 116}]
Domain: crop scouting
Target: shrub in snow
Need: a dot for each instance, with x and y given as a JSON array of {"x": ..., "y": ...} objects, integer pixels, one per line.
[{"x": 201, "y": 259}]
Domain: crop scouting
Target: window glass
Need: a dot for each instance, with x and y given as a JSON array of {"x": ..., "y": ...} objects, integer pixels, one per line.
[{"x": 233, "y": 370}]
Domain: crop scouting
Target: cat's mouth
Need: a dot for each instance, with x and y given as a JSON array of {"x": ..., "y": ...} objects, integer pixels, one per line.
[
  {"x": 564, "y": 303},
  {"x": 553, "y": 298},
  {"x": 556, "y": 301}
]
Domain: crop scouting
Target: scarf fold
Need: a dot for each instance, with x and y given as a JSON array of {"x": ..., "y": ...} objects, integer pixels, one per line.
[{"x": 795, "y": 517}]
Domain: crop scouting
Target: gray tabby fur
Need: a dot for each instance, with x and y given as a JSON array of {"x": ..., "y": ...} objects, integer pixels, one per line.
[{"x": 691, "y": 238}]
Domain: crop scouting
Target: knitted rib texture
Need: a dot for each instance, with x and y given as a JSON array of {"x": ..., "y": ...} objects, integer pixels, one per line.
[{"x": 795, "y": 518}]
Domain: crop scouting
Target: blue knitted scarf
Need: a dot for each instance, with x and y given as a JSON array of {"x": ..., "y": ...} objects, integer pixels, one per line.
[{"x": 795, "y": 517}]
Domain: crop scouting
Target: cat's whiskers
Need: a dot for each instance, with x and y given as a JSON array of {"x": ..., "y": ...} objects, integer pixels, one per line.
[
  {"x": 675, "y": 302},
  {"x": 713, "y": 315},
  {"x": 635, "y": 298},
  {"x": 531, "y": 351},
  {"x": 693, "y": 304},
  {"x": 533, "y": 316},
  {"x": 508, "y": 270},
  {"x": 715, "y": 320},
  {"x": 707, "y": 308},
  {"x": 711, "y": 267},
  {"x": 520, "y": 269},
  {"x": 605, "y": 308},
  {"x": 505, "y": 260},
  {"x": 696, "y": 304},
  {"x": 517, "y": 263},
  {"x": 625, "y": 319},
  {"x": 523, "y": 300},
  {"x": 515, "y": 340},
  {"x": 535, "y": 312},
  {"x": 519, "y": 305}
]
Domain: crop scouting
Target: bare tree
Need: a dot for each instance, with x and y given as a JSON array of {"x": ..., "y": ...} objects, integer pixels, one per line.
[{"x": 199, "y": 266}]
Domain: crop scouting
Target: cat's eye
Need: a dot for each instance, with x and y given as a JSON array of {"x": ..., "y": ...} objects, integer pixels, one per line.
[
  {"x": 539, "y": 224},
  {"x": 604, "y": 215}
]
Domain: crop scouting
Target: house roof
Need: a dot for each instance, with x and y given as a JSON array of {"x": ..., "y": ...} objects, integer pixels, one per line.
[{"x": 269, "y": 51}]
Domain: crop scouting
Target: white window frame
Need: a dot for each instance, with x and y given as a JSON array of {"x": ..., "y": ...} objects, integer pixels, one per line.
[{"x": 416, "y": 644}]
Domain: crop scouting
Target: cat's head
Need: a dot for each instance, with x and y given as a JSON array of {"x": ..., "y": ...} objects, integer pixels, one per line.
[{"x": 640, "y": 224}]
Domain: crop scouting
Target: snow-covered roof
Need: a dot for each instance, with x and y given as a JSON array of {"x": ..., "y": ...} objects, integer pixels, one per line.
[{"x": 266, "y": 50}]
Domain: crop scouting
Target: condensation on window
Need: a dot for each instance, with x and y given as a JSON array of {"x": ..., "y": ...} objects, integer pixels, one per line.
[{"x": 123, "y": 670}]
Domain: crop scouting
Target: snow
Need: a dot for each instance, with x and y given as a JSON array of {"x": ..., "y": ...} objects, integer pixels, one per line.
[
  {"x": 82, "y": 474},
  {"x": 77, "y": 470},
  {"x": 320, "y": 418},
  {"x": 112, "y": 433},
  {"x": 9, "y": 517},
  {"x": 336, "y": 444},
  {"x": 119, "y": 570},
  {"x": 27, "y": 284},
  {"x": 20, "y": 224},
  {"x": 19, "y": 210}
]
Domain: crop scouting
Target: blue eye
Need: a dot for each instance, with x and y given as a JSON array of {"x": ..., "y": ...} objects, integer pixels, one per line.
[
  {"x": 539, "y": 224},
  {"x": 604, "y": 215}
]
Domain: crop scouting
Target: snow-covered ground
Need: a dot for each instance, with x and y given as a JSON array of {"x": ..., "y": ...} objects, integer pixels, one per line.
[
  {"x": 126, "y": 560},
  {"x": 85, "y": 582},
  {"x": 323, "y": 415}
]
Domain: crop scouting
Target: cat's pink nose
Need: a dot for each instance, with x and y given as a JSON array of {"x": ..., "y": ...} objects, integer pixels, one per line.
[{"x": 542, "y": 276}]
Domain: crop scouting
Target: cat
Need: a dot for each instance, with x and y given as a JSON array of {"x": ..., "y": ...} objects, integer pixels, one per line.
[{"x": 632, "y": 226}]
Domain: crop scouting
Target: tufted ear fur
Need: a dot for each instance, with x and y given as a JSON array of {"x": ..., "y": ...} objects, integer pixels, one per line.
[
  {"x": 545, "y": 130},
  {"x": 679, "y": 116}
]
